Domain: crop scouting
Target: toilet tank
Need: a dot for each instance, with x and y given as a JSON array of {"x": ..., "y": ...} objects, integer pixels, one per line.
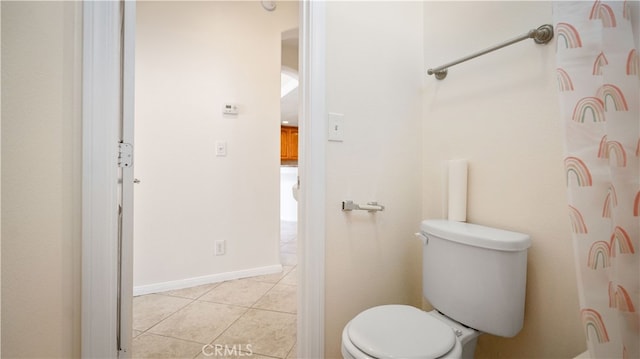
[{"x": 476, "y": 275}]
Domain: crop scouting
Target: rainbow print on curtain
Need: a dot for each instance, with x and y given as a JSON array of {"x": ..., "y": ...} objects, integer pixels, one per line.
[{"x": 598, "y": 85}]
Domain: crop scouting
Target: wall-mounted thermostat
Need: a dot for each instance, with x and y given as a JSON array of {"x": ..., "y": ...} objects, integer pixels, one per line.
[{"x": 230, "y": 109}]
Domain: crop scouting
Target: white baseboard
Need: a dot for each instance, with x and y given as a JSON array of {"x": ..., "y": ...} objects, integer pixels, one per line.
[{"x": 206, "y": 279}]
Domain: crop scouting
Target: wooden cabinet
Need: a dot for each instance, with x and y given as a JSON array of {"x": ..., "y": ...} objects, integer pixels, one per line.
[{"x": 288, "y": 143}]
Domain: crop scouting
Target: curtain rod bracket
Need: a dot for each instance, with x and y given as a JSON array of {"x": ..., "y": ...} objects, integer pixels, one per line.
[
  {"x": 440, "y": 75},
  {"x": 541, "y": 35}
]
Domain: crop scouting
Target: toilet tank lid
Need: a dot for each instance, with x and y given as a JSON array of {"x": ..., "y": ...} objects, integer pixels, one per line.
[{"x": 476, "y": 235}]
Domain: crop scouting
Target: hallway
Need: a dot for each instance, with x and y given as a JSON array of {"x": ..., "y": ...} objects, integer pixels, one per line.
[{"x": 254, "y": 315}]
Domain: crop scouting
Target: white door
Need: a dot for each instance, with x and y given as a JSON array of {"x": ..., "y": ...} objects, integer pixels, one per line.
[
  {"x": 125, "y": 232},
  {"x": 107, "y": 178}
]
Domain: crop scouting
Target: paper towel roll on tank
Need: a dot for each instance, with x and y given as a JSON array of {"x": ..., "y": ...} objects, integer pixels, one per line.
[{"x": 457, "y": 190}]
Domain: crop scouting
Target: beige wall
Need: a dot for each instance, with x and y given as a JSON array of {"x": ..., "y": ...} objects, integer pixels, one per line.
[
  {"x": 505, "y": 100},
  {"x": 290, "y": 55},
  {"x": 289, "y": 52},
  {"x": 374, "y": 77},
  {"x": 191, "y": 58},
  {"x": 501, "y": 113},
  {"x": 41, "y": 179}
]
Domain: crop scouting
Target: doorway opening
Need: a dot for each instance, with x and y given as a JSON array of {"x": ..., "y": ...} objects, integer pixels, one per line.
[
  {"x": 209, "y": 260},
  {"x": 289, "y": 112},
  {"x": 108, "y": 78}
]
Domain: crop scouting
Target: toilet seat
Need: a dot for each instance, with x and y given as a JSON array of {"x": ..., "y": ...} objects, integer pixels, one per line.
[{"x": 400, "y": 331}]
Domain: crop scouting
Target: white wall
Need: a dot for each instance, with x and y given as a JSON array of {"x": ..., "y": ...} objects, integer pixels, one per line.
[
  {"x": 374, "y": 77},
  {"x": 41, "y": 179},
  {"x": 191, "y": 57},
  {"x": 501, "y": 112}
]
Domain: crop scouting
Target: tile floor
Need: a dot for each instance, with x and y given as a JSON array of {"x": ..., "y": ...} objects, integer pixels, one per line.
[
  {"x": 231, "y": 319},
  {"x": 288, "y": 243}
]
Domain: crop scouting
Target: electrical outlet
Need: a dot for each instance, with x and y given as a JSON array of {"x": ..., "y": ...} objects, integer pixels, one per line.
[{"x": 220, "y": 247}]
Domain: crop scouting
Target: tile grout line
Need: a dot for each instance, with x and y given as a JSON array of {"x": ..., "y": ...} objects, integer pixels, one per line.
[
  {"x": 168, "y": 316},
  {"x": 243, "y": 314},
  {"x": 257, "y": 309},
  {"x": 192, "y": 300}
]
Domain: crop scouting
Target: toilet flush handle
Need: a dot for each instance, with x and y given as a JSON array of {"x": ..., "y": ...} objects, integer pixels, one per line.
[{"x": 423, "y": 238}]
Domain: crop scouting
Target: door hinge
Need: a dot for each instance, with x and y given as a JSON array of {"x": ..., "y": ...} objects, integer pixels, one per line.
[{"x": 125, "y": 154}]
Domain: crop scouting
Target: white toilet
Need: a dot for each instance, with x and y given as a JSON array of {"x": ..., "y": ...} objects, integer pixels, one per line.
[{"x": 475, "y": 278}]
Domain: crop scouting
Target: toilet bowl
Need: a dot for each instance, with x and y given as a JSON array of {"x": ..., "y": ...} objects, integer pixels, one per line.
[{"x": 401, "y": 331}]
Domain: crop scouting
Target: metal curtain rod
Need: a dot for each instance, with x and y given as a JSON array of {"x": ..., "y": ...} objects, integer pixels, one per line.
[{"x": 541, "y": 35}]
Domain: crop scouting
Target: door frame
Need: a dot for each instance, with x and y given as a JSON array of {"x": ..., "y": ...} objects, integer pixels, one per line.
[
  {"x": 312, "y": 171},
  {"x": 103, "y": 102}
]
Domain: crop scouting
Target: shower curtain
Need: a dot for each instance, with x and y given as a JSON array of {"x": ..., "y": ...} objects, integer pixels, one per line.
[{"x": 598, "y": 79}]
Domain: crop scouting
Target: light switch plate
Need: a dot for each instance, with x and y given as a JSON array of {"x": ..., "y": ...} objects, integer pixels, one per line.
[
  {"x": 336, "y": 127},
  {"x": 221, "y": 149}
]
